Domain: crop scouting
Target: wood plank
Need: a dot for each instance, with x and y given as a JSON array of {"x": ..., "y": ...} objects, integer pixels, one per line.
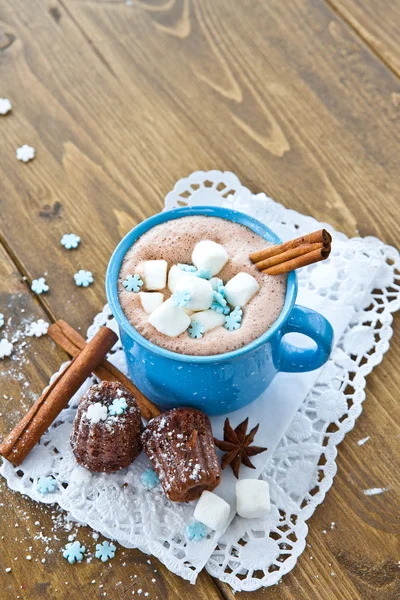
[
  {"x": 28, "y": 528},
  {"x": 378, "y": 23},
  {"x": 310, "y": 137},
  {"x": 121, "y": 101}
]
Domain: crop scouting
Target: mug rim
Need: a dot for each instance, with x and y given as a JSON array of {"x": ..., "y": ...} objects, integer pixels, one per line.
[{"x": 128, "y": 240}]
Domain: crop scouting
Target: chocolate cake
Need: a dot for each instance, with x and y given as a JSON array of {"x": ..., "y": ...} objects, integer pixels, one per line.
[
  {"x": 106, "y": 435},
  {"x": 180, "y": 446}
]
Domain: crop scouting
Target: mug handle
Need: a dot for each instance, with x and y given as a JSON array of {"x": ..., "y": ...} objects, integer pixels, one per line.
[{"x": 304, "y": 320}]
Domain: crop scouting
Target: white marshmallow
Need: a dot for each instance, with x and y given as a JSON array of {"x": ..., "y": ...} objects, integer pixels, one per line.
[
  {"x": 154, "y": 274},
  {"x": 174, "y": 274},
  {"x": 200, "y": 291},
  {"x": 252, "y": 498},
  {"x": 212, "y": 511},
  {"x": 169, "y": 319},
  {"x": 240, "y": 289},
  {"x": 209, "y": 255},
  {"x": 151, "y": 300},
  {"x": 208, "y": 318}
]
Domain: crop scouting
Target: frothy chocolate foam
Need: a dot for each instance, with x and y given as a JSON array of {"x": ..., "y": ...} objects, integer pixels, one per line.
[{"x": 174, "y": 242}]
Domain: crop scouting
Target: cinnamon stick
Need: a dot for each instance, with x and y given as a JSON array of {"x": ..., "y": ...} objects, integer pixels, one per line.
[
  {"x": 37, "y": 420},
  {"x": 322, "y": 236},
  {"x": 300, "y": 261},
  {"x": 287, "y": 255},
  {"x": 72, "y": 342}
]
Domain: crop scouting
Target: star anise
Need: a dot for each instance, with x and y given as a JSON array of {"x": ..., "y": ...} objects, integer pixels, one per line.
[{"x": 237, "y": 446}]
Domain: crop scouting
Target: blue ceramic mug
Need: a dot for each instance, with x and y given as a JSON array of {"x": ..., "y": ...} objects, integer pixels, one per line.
[{"x": 220, "y": 383}]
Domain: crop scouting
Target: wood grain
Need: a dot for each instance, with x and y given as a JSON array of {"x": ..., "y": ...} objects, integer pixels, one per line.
[
  {"x": 378, "y": 23},
  {"x": 121, "y": 101}
]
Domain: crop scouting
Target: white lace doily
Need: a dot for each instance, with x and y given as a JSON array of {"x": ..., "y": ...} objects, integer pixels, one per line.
[{"x": 255, "y": 553}]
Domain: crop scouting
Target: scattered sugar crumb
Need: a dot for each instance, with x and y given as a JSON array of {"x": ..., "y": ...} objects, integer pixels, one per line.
[
  {"x": 324, "y": 531},
  {"x": 363, "y": 441},
  {"x": 8, "y": 569},
  {"x": 29, "y": 557},
  {"x": 6, "y": 348},
  {"x": 375, "y": 491},
  {"x": 5, "y": 106},
  {"x": 333, "y": 524}
]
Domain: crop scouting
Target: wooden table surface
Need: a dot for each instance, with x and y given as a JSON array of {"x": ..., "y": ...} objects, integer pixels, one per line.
[{"x": 301, "y": 100}]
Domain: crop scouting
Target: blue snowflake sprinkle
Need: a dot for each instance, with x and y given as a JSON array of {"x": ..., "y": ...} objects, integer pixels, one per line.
[
  {"x": 237, "y": 311},
  {"x": 1, "y": 319},
  {"x": 222, "y": 310},
  {"x": 196, "y": 531},
  {"x": 133, "y": 283},
  {"x": 105, "y": 551},
  {"x": 180, "y": 298},
  {"x": 219, "y": 299},
  {"x": 83, "y": 278},
  {"x": 74, "y": 552},
  {"x": 204, "y": 274},
  {"x": 70, "y": 240},
  {"x": 196, "y": 330},
  {"x": 221, "y": 289},
  {"x": 118, "y": 406},
  {"x": 218, "y": 283},
  {"x": 233, "y": 320},
  {"x": 46, "y": 485},
  {"x": 39, "y": 286},
  {"x": 149, "y": 479},
  {"x": 187, "y": 268}
]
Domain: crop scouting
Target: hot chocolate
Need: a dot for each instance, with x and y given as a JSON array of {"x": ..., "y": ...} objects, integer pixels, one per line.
[{"x": 188, "y": 286}]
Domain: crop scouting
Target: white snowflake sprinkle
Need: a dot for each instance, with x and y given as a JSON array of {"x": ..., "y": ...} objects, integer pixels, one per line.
[
  {"x": 37, "y": 328},
  {"x": 6, "y": 348},
  {"x": 5, "y": 106},
  {"x": 25, "y": 153},
  {"x": 39, "y": 286},
  {"x": 96, "y": 412},
  {"x": 70, "y": 240},
  {"x": 83, "y": 278}
]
